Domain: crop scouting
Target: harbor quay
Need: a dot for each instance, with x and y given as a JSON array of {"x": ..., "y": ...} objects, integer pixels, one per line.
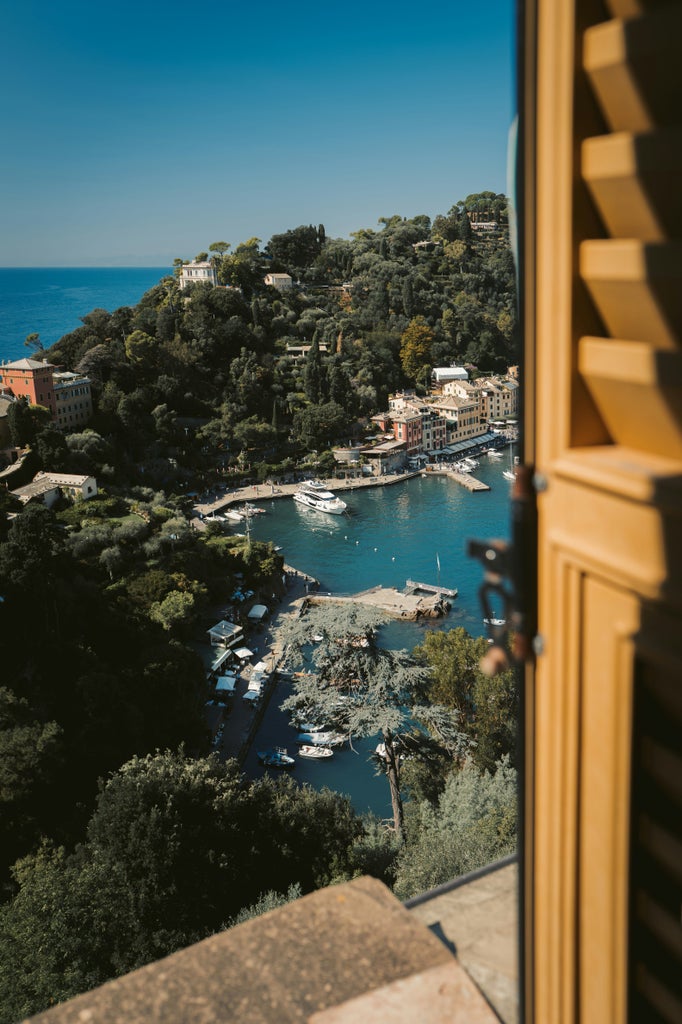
[
  {"x": 272, "y": 492},
  {"x": 215, "y": 503}
]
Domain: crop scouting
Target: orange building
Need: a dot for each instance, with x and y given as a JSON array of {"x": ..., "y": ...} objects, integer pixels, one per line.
[
  {"x": 31, "y": 379},
  {"x": 67, "y": 395}
]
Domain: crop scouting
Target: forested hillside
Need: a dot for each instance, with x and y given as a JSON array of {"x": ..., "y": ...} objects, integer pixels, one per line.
[{"x": 201, "y": 376}]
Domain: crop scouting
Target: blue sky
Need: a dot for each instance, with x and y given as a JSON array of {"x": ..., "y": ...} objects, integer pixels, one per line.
[{"x": 135, "y": 132}]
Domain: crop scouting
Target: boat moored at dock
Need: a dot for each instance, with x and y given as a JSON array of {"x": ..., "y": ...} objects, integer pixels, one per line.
[
  {"x": 319, "y": 753},
  {"x": 315, "y": 495},
  {"x": 277, "y": 757},
  {"x": 320, "y": 739}
]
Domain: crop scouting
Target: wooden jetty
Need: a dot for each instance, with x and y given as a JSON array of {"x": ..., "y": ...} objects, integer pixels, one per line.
[{"x": 428, "y": 588}]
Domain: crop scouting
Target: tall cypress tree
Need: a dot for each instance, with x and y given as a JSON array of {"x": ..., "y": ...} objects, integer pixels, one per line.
[{"x": 313, "y": 374}]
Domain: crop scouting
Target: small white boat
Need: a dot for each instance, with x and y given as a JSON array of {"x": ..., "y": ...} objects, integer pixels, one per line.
[
  {"x": 319, "y": 739},
  {"x": 309, "y": 750},
  {"x": 509, "y": 474},
  {"x": 495, "y": 622},
  {"x": 233, "y": 515},
  {"x": 309, "y": 727},
  {"x": 315, "y": 495}
]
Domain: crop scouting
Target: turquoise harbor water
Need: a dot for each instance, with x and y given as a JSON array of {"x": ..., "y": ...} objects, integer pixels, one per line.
[{"x": 391, "y": 534}]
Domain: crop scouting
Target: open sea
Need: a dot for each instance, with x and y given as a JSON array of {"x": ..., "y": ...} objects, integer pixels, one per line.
[{"x": 50, "y": 301}]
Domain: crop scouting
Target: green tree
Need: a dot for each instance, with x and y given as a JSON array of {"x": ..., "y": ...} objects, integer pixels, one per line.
[
  {"x": 487, "y": 707},
  {"x": 364, "y": 690},
  {"x": 313, "y": 374},
  {"x": 30, "y": 751},
  {"x": 34, "y": 343},
  {"x": 219, "y": 247},
  {"x": 25, "y": 420},
  {"x": 140, "y": 347},
  {"x": 319, "y": 425},
  {"x": 175, "y": 612},
  {"x": 174, "y": 851},
  {"x": 51, "y": 448},
  {"x": 62, "y": 933},
  {"x": 473, "y": 824}
]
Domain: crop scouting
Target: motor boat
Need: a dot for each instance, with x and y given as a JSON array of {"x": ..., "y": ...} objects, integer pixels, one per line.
[
  {"x": 315, "y": 495},
  {"x": 277, "y": 757}
]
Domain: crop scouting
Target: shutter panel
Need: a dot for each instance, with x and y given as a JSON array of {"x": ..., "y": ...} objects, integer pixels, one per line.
[{"x": 602, "y": 293}]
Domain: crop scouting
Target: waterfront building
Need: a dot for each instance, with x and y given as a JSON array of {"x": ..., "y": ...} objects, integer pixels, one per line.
[
  {"x": 462, "y": 417},
  {"x": 225, "y": 634},
  {"x": 416, "y": 422},
  {"x": 499, "y": 397},
  {"x": 387, "y": 457}
]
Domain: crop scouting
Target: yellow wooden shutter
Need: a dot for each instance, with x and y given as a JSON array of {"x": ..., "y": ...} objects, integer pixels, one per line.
[{"x": 601, "y": 215}]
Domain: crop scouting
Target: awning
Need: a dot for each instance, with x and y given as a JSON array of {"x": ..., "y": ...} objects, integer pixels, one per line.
[
  {"x": 259, "y": 611},
  {"x": 217, "y": 662},
  {"x": 243, "y": 653},
  {"x": 226, "y": 684}
]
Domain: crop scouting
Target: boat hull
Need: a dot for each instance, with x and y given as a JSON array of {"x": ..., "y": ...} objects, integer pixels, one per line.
[
  {"x": 336, "y": 508},
  {"x": 275, "y": 759},
  {"x": 317, "y": 753}
]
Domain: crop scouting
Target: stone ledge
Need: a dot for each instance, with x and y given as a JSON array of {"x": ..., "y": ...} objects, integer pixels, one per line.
[
  {"x": 320, "y": 951},
  {"x": 479, "y": 921},
  {"x": 440, "y": 995}
]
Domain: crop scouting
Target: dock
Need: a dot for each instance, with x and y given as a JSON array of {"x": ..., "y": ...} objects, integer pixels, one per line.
[
  {"x": 397, "y": 603},
  {"x": 429, "y": 588},
  {"x": 468, "y": 481}
]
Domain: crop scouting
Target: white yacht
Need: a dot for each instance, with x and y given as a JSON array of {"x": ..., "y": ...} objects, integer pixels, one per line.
[{"x": 315, "y": 495}]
